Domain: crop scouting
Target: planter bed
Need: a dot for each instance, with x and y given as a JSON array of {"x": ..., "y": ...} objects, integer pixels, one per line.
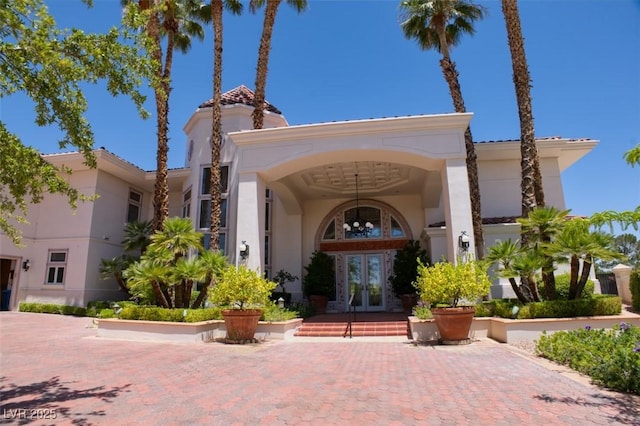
[
  {"x": 180, "y": 332},
  {"x": 522, "y": 330}
]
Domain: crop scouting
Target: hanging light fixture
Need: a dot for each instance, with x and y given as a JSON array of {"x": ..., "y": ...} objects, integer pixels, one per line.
[{"x": 357, "y": 227}]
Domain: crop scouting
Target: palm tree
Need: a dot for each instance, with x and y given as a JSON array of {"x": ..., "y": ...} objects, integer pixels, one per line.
[
  {"x": 580, "y": 247},
  {"x": 213, "y": 262},
  {"x": 169, "y": 247},
  {"x": 531, "y": 186},
  {"x": 215, "y": 9},
  {"x": 149, "y": 272},
  {"x": 137, "y": 236},
  {"x": 439, "y": 25},
  {"x": 542, "y": 225},
  {"x": 113, "y": 268},
  {"x": 175, "y": 20},
  {"x": 504, "y": 254},
  {"x": 262, "y": 68},
  {"x": 186, "y": 272}
]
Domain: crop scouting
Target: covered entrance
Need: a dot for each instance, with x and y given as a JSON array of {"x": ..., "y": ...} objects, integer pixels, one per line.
[{"x": 365, "y": 281}]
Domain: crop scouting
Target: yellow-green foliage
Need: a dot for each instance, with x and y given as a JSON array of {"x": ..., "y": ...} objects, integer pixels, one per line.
[
  {"x": 241, "y": 288},
  {"x": 445, "y": 282}
]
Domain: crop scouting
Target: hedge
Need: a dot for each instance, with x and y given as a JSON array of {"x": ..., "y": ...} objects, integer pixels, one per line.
[
  {"x": 635, "y": 290},
  {"x": 49, "y": 308},
  {"x": 596, "y": 305}
]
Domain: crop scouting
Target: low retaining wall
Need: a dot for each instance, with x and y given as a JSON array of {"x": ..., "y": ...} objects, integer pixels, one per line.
[
  {"x": 180, "y": 332},
  {"x": 521, "y": 330}
]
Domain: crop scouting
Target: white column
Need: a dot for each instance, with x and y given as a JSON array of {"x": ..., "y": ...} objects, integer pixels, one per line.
[
  {"x": 457, "y": 206},
  {"x": 250, "y": 219},
  {"x": 623, "y": 282}
]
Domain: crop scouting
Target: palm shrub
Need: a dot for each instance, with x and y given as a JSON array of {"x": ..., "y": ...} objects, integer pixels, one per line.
[{"x": 635, "y": 290}]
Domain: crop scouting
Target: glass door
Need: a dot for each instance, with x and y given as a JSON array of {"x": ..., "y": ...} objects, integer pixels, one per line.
[{"x": 365, "y": 282}]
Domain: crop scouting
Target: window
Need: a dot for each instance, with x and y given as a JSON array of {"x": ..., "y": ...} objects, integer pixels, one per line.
[
  {"x": 267, "y": 231},
  {"x": 365, "y": 214},
  {"x": 135, "y": 205},
  {"x": 204, "y": 213},
  {"x": 206, "y": 180},
  {"x": 56, "y": 265},
  {"x": 186, "y": 204}
]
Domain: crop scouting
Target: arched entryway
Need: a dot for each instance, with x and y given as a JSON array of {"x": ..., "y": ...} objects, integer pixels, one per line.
[{"x": 363, "y": 260}]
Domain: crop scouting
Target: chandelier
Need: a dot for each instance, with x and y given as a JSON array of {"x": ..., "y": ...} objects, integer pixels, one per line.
[{"x": 357, "y": 228}]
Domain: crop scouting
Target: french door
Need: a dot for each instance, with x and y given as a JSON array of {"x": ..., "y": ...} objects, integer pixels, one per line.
[{"x": 365, "y": 281}]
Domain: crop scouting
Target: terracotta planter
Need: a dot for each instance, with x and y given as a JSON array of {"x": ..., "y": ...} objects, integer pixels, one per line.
[
  {"x": 454, "y": 323},
  {"x": 241, "y": 324},
  {"x": 408, "y": 302},
  {"x": 319, "y": 304}
]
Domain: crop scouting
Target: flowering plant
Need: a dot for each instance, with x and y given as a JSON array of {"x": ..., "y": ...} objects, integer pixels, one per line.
[{"x": 451, "y": 284}]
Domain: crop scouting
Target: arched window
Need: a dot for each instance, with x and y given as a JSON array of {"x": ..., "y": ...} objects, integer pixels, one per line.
[{"x": 375, "y": 219}]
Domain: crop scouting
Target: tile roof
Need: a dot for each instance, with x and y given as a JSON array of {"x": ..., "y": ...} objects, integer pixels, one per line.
[{"x": 240, "y": 95}]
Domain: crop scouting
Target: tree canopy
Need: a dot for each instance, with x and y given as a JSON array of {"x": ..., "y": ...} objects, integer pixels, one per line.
[{"x": 49, "y": 65}]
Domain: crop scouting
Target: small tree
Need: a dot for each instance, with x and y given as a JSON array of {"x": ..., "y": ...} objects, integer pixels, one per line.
[
  {"x": 320, "y": 278},
  {"x": 405, "y": 267}
]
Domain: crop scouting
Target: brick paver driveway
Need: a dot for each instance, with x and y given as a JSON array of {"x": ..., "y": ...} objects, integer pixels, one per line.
[{"x": 54, "y": 366}]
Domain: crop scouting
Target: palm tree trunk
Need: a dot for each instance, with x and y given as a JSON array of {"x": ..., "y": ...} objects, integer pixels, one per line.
[
  {"x": 161, "y": 92},
  {"x": 522, "y": 297},
  {"x": 216, "y": 126},
  {"x": 201, "y": 296},
  {"x": 451, "y": 76},
  {"x": 262, "y": 68},
  {"x": 531, "y": 186},
  {"x": 584, "y": 277},
  {"x": 161, "y": 298},
  {"x": 573, "y": 281}
]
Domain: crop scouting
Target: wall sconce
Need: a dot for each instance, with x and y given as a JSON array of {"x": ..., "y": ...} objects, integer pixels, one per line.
[
  {"x": 26, "y": 265},
  {"x": 463, "y": 241},
  {"x": 244, "y": 250}
]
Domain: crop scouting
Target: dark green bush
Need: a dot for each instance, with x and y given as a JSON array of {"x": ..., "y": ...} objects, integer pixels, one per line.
[
  {"x": 610, "y": 357},
  {"x": 272, "y": 312},
  {"x": 562, "y": 287},
  {"x": 595, "y": 306},
  {"x": 635, "y": 290},
  {"x": 502, "y": 308},
  {"x": 49, "y": 308}
]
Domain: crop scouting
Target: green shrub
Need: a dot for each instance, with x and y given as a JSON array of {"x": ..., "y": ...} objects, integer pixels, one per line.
[
  {"x": 562, "y": 287},
  {"x": 635, "y": 290},
  {"x": 595, "y": 306},
  {"x": 485, "y": 309},
  {"x": 610, "y": 357},
  {"x": 272, "y": 313},
  {"x": 206, "y": 314},
  {"x": 422, "y": 311},
  {"x": 106, "y": 313},
  {"x": 49, "y": 308}
]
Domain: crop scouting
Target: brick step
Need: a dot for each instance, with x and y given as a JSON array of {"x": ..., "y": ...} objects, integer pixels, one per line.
[{"x": 338, "y": 329}]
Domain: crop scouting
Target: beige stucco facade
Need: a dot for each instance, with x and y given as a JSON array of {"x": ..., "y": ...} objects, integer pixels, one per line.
[{"x": 287, "y": 193}]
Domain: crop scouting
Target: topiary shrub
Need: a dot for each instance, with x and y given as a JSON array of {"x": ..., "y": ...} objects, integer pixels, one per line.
[{"x": 405, "y": 267}]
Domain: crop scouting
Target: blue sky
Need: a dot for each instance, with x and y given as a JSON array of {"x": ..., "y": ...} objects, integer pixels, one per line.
[{"x": 343, "y": 60}]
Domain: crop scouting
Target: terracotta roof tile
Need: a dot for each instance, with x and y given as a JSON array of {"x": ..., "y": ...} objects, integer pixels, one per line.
[{"x": 240, "y": 95}]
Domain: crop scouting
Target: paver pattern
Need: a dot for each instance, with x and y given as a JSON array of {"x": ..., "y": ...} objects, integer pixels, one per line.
[{"x": 52, "y": 364}]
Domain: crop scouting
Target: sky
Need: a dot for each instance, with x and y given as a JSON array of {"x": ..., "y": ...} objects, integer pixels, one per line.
[{"x": 346, "y": 60}]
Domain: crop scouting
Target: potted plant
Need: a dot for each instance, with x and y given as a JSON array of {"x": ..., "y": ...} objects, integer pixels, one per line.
[
  {"x": 242, "y": 293},
  {"x": 405, "y": 272},
  {"x": 452, "y": 290},
  {"x": 319, "y": 281},
  {"x": 283, "y": 277}
]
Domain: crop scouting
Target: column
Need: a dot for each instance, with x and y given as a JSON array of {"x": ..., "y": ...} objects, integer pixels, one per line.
[
  {"x": 457, "y": 207},
  {"x": 250, "y": 219}
]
